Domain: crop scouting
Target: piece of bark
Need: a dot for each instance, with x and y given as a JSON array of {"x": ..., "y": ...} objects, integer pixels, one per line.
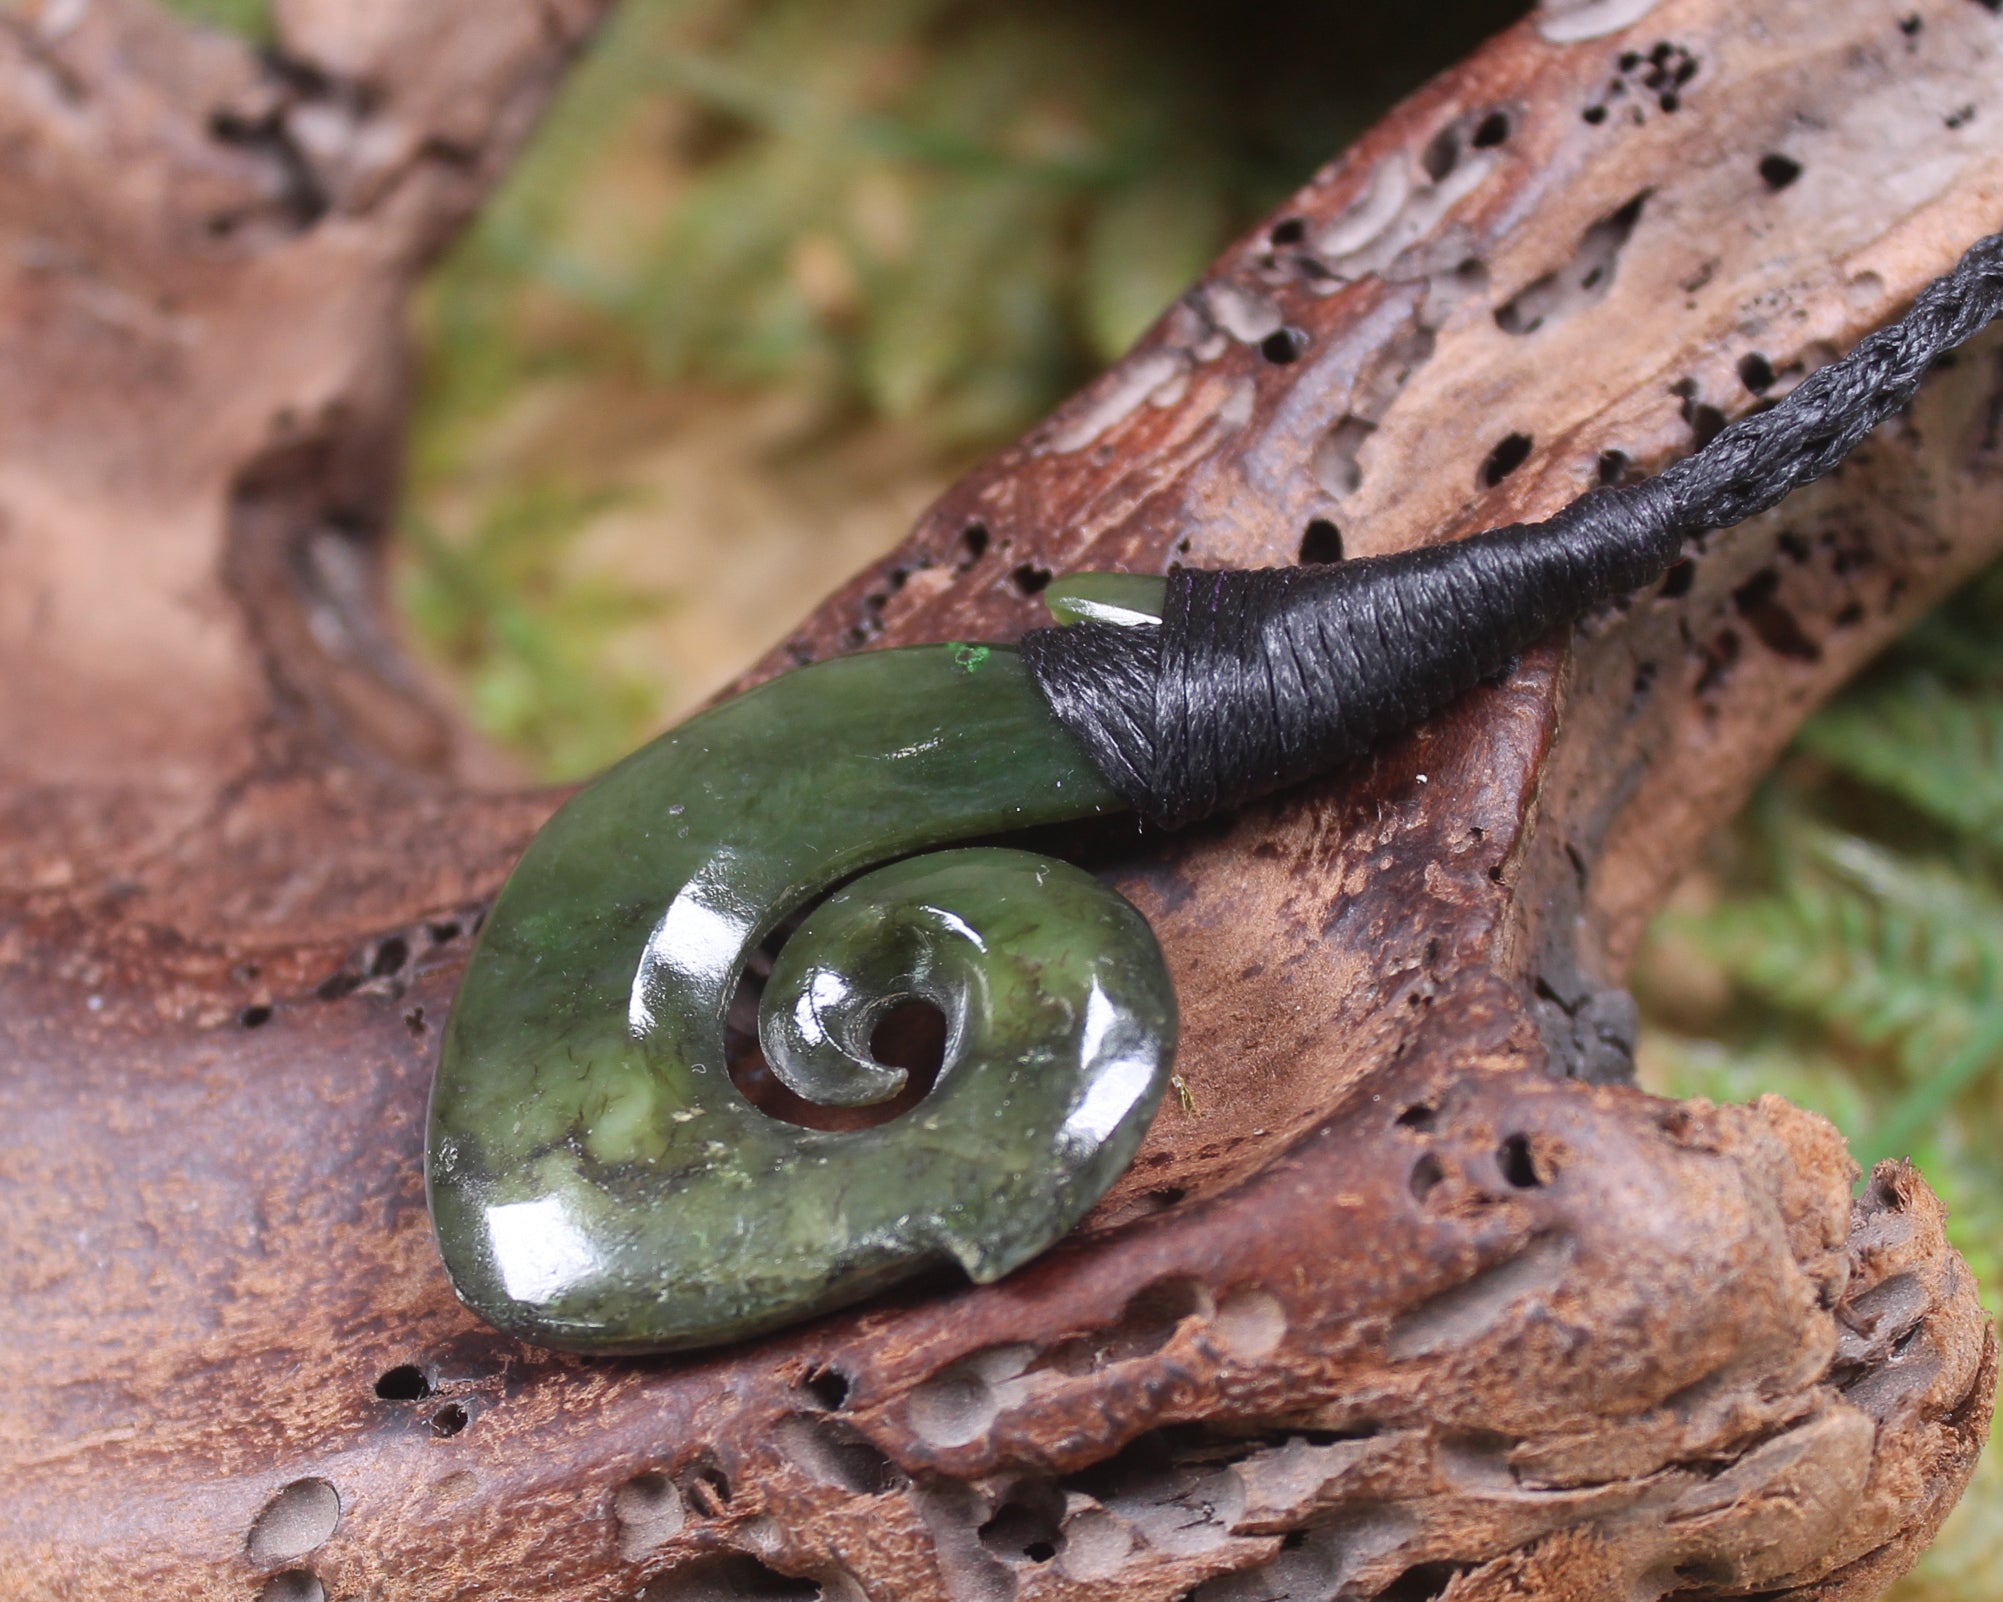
[{"x": 1412, "y": 1298}]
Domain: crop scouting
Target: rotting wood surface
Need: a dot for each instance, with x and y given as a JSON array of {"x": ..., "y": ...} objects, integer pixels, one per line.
[{"x": 1414, "y": 1299}]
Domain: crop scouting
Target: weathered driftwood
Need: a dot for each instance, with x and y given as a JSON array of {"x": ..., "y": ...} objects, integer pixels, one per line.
[{"x": 1411, "y": 1299}]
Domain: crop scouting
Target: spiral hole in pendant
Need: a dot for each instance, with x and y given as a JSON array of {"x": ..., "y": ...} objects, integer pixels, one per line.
[{"x": 910, "y": 1034}]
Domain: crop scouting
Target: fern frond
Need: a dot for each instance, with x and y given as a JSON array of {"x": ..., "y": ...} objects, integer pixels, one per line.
[
  {"x": 1937, "y": 748},
  {"x": 1896, "y": 955}
]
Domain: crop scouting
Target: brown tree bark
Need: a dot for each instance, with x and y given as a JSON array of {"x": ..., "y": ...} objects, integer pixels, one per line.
[{"x": 1414, "y": 1298}]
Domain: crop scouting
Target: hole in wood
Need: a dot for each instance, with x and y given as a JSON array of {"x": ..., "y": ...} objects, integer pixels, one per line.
[
  {"x": 839, "y": 1454},
  {"x": 1510, "y": 453},
  {"x": 1283, "y": 345},
  {"x": 404, "y": 1383},
  {"x": 1027, "y": 1527},
  {"x": 709, "y": 1489},
  {"x": 1321, "y": 544},
  {"x": 302, "y": 1516},
  {"x": 729, "y": 1577},
  {"x": 1519, "y": 1163},
  {"x": 1778, "y": 171},
  {"x": 648, "y": 1510},
  {"x": 1583, "y": 281},
  {"x": 828, "y": 1386},
  {"x": 1334, "y": 462},
  {"x": 1442, "y": 154}
]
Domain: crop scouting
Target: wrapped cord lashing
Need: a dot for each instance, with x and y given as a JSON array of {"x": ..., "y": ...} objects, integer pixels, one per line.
[{"x": 1255, "y": 680}]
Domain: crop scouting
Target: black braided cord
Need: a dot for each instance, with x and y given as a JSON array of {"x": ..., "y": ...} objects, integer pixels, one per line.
[{"x": 1255, "y": 680}]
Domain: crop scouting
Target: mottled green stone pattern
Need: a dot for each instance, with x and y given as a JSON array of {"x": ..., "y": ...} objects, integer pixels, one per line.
[{"x": 596, "y": 1180}]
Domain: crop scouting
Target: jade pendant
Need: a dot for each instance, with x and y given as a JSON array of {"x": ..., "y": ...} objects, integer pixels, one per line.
[{"x": 597, "y": 1182}]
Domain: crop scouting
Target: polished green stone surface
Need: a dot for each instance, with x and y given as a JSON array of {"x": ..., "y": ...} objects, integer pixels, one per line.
[
  {"x": 1129, "y": 599},
  {"x": 596, "y": 1180}
]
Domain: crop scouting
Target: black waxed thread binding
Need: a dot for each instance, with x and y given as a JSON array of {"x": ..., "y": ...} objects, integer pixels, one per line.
[{"x": 1258, "y": 679}]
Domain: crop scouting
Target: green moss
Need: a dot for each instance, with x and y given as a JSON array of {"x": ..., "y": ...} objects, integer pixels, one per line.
[
  {"x": 928, "y": 217},
  {"x": 502, "y": 607},
  {"x": 252, "y": 18}
]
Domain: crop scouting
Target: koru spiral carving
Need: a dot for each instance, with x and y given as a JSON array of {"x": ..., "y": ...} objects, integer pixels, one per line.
[{"x": 597, "y": 1181}]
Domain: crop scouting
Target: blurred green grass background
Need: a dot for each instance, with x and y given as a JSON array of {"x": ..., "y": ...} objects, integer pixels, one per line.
[{"x": 775, "y": 271}]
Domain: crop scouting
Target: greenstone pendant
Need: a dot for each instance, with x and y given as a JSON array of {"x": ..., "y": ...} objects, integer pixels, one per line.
[{"x": 596, "y": 1180}]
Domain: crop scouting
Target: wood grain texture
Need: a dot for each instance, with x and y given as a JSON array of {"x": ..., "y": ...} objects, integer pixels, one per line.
[{"x": 1416, "y": 1298}]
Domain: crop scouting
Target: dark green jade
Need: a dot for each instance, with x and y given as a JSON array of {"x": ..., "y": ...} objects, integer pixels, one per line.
[{"x": 597, "y": 1181}]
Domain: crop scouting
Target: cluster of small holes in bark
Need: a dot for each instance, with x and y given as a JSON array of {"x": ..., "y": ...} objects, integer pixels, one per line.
[
  {"x": 1583, "y": 281},
  {"x": 963, "y": 1400},
  {"x": 1660, "y": 76},
  {"x": 875, "y": 599},
  {"x": 390, "y": 962},
  {"x": 299, "y": 198},
  {"x": 409, "y": 1382},
  {"x": 1773, "y": 624},
  {"x": 1706, "y": 421}
]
